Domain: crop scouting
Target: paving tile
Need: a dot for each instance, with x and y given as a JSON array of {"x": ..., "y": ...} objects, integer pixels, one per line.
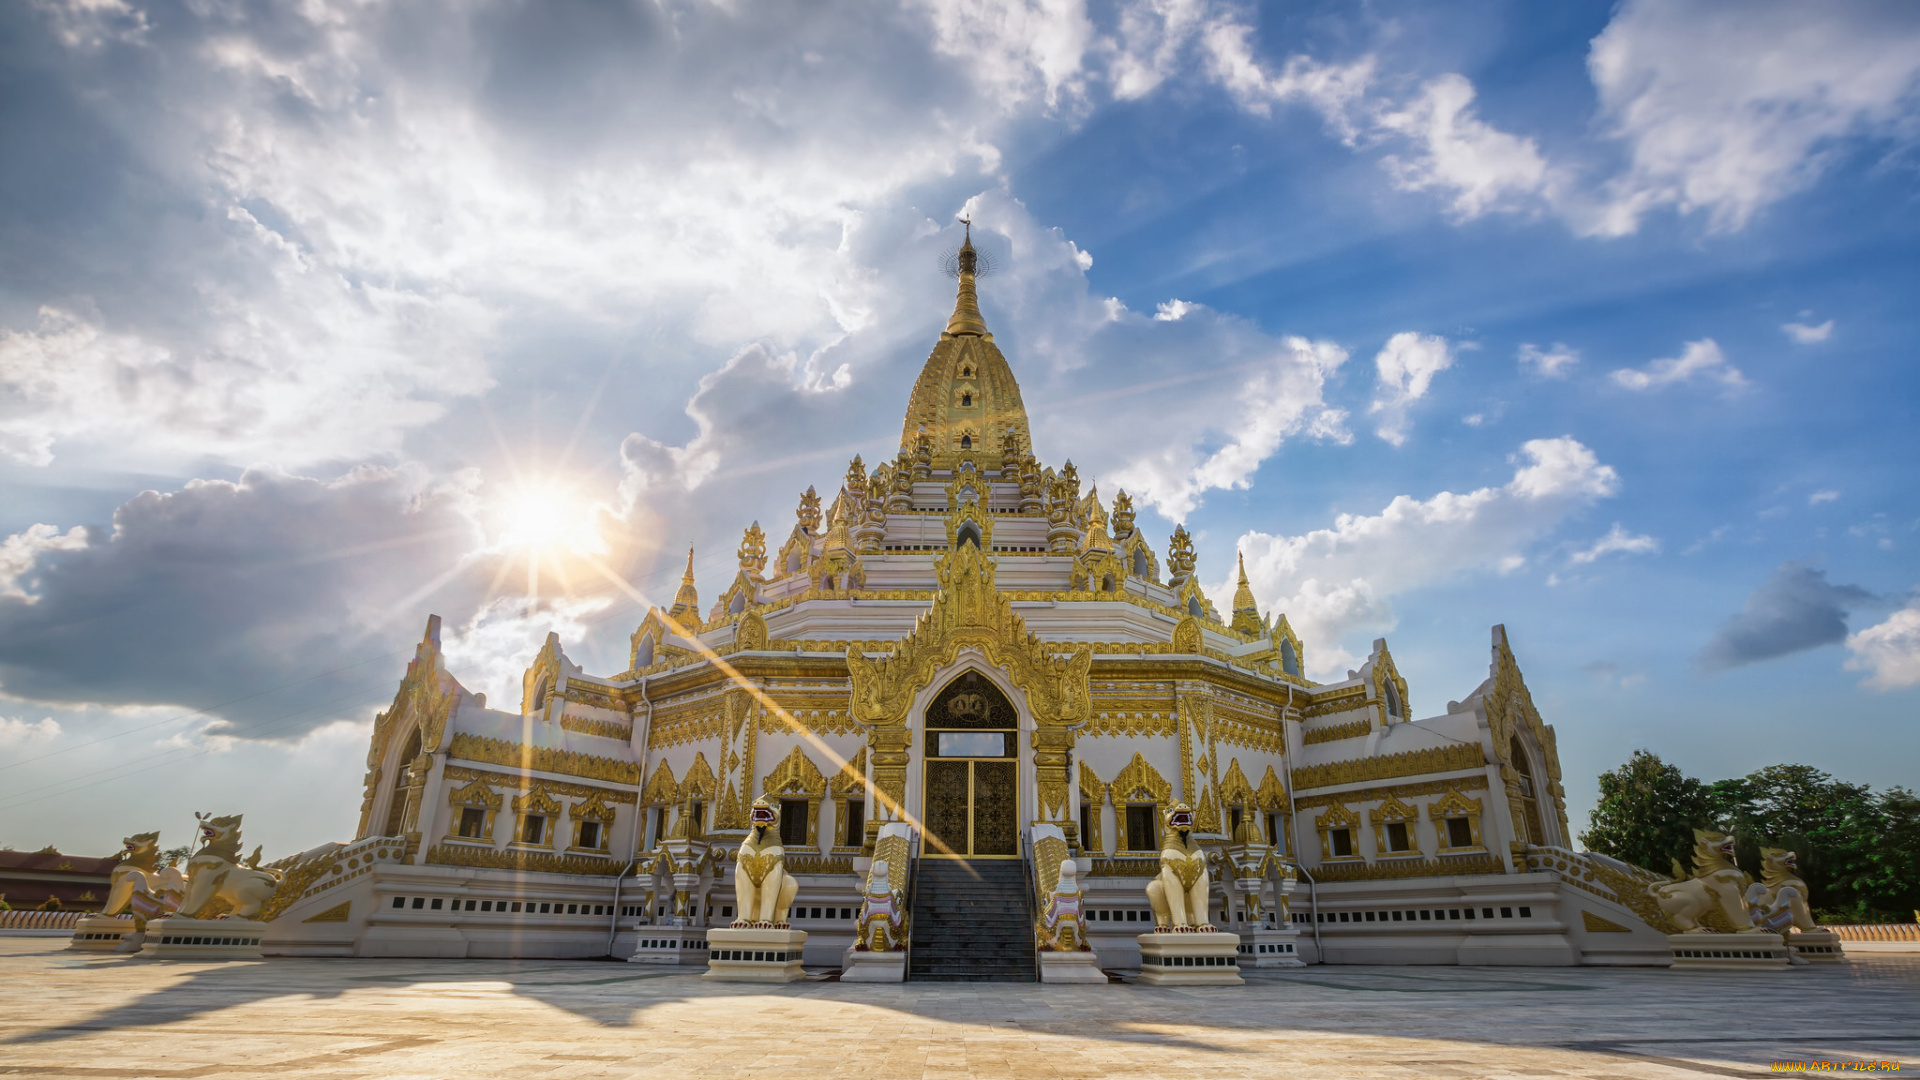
[{"x": 66, "y": 1015}]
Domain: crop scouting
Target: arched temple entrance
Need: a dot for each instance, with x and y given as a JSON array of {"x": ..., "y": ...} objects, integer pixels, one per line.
[{"x": 972, "y": 784}]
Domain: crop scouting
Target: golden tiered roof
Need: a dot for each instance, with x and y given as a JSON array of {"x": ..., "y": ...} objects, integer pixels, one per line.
[{"x": 966, "y": 397}]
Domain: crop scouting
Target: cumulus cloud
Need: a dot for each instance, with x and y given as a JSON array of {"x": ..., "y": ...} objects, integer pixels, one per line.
[
  {"x": 1819, "y": 497},
  {"x": 1890, "y": 650},
  {"x": 1453, "y": 151},
  {"x": 1803, "y": 334},
  {"x": 1617, "y": 541},
  {"x": 1726, "y": 108},
  {"x": 1553, "y": 363},
  {"x": 224, "y": 589},
  {"x": 1795, "y": 610},
  {"x": 1405, "y": 370},
  {"x": 1338, "y": 583},
  {"x": 1702, "y": 361}
]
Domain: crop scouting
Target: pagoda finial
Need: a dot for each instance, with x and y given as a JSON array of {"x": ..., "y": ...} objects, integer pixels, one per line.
[
  {"x": 1246, "y": 611},
  {"x": 687, "y": 600},
  {"x": 966, "y": 307}
]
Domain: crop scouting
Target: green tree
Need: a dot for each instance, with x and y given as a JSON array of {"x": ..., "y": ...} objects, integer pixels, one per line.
[{"x": 1646, "y": 813}]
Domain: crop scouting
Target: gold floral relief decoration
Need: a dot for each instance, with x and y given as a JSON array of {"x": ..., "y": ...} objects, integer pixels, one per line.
[
  {"x": 1335, "y": 732},
  {"x": 1397, "y": 791},
  {"x": 544, "y": 678},
  {"x": 456, "y": 774},
  {"x": 1125, "y": 725},
  {"x": 795, "y": 775},
  {"x": 1272, "y": 796},
  {"x": 970, "y": 611},
  {"x": 1385, "y": 672},
  {"x": 1407, "y": 763},
  {"x": 535, "y": 800},
  {"x": 542, "y": 759},
  {"x": 850, "y": 781},
  {"x": 1234, "y": 788},
  {"x": 1140, "y": 782},
  {"x": 588, "y": 725},
  {"x": 594, "y": 808},
  {"x": 426, "y": 698},
  {"x": 1335, "y": 701},
  {"x": 1509, "y": 708},
  {"x": 516, "y": 859},
  {"x": 476, "y": 794},
  {"x": 699, "y": 783},
  {"x": 1391, "y": 869},
  {"x": 661, "y": 789},
  {"x": 1092, "y": 790}
]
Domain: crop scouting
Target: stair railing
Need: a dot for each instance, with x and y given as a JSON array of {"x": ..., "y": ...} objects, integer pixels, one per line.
[
  {"x": 913, "y": 891},
  {"x": 1031, "y": 884}
]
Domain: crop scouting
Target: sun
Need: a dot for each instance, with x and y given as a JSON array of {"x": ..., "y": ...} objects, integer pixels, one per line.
[{"x": 547, "y": 518}]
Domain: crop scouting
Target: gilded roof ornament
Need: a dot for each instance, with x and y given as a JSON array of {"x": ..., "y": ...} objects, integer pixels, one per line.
[
  {"x": 1246, "y": 611},
  {"x": 686, "y": 602}
]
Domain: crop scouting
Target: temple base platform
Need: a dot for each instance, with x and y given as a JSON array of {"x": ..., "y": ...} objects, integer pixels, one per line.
[
  {"x": 179, "y": 938},
  {"x": 1745, "y": 952}
]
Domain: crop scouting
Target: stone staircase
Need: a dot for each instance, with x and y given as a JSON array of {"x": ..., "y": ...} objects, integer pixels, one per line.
[{"x": 972, "y": 922}]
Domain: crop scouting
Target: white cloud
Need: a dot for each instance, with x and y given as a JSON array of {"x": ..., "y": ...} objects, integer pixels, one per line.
[
  {"x": 1617, "y": 540},
  {"x": 16, "y": 732},
  {"x": 1889, "y": 650},
  {"x": 1553, "y": 363},
  {"x": 1172, "y": 310},
  {"x": 20, "y": 552},
  {"x": 1455, "y": 152},
  {"x": 1405, "y": 368},
  {"x": 1803, "y": 334},
  {"x": 1337, "y": 583},
  {"x": 1726, "y": 108},
  {"x": 1702, "y": 360},
  {"x": 1015, "y": 48},
  {"x": 1819, "y": 497}
]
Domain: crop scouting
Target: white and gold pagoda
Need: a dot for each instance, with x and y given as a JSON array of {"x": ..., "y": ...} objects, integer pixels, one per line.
[{"x": 957, "y": 652}]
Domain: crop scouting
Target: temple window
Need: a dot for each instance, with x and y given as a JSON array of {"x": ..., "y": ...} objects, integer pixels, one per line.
[
  {"x": 533, "y": 828},
  {"x": 968, "y": 533},
  {"x": 1340, "y": 842},
  {"x": 1143, "y": 827},
  {"x": 966, "y": 400},
  {"x": 402, "y": 775},
  {"x": 1086, "y": 823},
  {"x": 853, "y": 822},
  {"x": 656, "y": 826},
  {"x": 540, "y": 696},
  {"x": 1142, "y": 566},
  {"x": 1193, "y": 607},
  {"x": 966, "y": 442},
  {"x": 738, "y": 604},
  {"x": 794, "y": 562},
  {"x": 1393, "y": 698},
  {"x": 473, "y": 822},
  {"x": 1289, "y": 658},
  {"x": 1393, "y": 824},
  {"x": 1337, "y": 833},
  {"x": 1234, "y": 817},
  {"x": 1106, "y": 583},
  {"x": 643, "y": 652},
  {"x": 1457, "y": 820},
  {"x": 793, "y": 822},
  {"x": 589, "y": 835},
  {"x": 1276, "y": 830}
]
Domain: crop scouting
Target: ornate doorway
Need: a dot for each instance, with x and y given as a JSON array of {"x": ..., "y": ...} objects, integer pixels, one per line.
[{"x": 972, "y": 804}]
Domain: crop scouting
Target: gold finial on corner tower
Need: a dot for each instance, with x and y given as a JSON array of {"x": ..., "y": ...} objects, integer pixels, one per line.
[
  {"x": 968, "y": 266},
  {"x": 687, "y": 600},
  {"x": 1246, "y": 610}
]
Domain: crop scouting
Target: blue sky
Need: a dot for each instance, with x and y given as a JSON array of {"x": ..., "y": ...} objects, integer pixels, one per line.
[{"x": 1589, "y": 319}]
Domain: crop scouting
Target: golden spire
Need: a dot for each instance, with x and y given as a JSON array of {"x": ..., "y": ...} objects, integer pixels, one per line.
[
  {"x": 1246, "y": 610},
  {"x": 966, "y": 308},
  {"x": 687, "y": 600}
]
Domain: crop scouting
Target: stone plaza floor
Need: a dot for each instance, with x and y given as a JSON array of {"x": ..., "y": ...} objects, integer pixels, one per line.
[{"x": 72, "y": 1015}]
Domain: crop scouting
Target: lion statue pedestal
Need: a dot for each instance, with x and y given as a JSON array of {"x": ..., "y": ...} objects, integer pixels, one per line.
[
  {"x": 761, "y": 945},
  {"x": 177, "y": 937},
  {"x": 1746, "y": 952},
  {"x": 106, "y": 933},
  {"x": 1184, "y": 948}
]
